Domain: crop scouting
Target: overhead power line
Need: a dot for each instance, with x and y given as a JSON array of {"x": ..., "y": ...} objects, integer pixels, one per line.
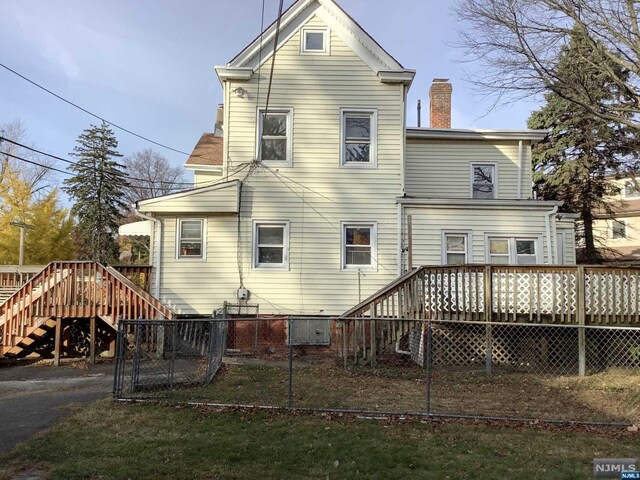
[
  {"x": 88, "y": 112},
  {"x": 70, "y": 162}
]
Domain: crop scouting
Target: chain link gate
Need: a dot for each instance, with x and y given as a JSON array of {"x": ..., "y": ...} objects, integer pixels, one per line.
[{"x": 155, "y": 357}]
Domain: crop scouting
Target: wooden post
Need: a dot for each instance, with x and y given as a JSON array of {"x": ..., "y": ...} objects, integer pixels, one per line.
[
  {"x": 92, "y": 344},
  {"x": 581, "y": 314},
  {"x": 488, "y": 315},
  {"x": 58, "y": 341}
]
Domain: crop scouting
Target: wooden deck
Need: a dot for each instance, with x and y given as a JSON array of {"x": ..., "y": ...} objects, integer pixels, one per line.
[
  {"x": 82, "y": 291},
  {"x": 580, "y": 295}
]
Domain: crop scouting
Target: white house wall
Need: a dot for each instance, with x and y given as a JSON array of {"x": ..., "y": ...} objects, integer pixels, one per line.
[
  {"x": 315, "y": 195},
  {"x": 428, "y": 223},
  {"x": 441, "y": 168}
]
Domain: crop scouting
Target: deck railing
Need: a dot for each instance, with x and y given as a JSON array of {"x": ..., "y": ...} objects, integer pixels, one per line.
[
  {"x": 76, "y": 290},
  {"x": 591, "y": 295}
]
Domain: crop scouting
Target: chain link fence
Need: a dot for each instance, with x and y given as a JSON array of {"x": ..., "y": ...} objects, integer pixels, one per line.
[{"x": 423, "y": 367}]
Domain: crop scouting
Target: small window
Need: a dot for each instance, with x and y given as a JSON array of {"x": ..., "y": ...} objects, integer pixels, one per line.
[
  {"x": 315, "y": 40},
  {"x": 483, "y": 181},
  {"x": 512, "y": 251},
  {"x": 455, "y": 248},
  {"x": 618, "y": 229},
  {"x": 632, "y": 189},
  {"x": 358, "y": 246},
  {"x": 499, "y": 251},
  {"x": 190, "y": 238},
  {"x": 275, "y": 137},
  {"x": 526, "y": 252},
  {"x": 271, "y": 245},
  {"x": 358, "y": 138}
]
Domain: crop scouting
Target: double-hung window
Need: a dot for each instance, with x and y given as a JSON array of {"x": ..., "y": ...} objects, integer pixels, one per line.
[
  {"x": 190, "y": 238},
  {"x": 484, "y": 181},
  {"x": 275, "y": 137},
  {"x": 632, "y": 188},
  {"x": 271, "y": 244},
  {"x": 512, "y": 250},
  {"x": 358, "y": 246},
  {"x": 455, "y": 248},
  {"x": 618, "y": 229},
  {"x": 358, "y": 138}
]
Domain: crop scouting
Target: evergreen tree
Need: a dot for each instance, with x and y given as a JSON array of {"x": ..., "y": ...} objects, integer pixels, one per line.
[
  {"x": 97, "y": 189},
  {"x": 576, "y": 160}
]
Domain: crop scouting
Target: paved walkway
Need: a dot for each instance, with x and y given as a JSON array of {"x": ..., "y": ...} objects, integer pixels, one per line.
[{"x": 35, "y": 397}]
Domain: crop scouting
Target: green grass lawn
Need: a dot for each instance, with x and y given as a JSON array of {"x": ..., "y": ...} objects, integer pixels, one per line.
[{"x": 146, "y": 441}]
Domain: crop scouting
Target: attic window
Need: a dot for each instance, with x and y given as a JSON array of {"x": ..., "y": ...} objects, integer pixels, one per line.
[{"x": 314, "y": 40}]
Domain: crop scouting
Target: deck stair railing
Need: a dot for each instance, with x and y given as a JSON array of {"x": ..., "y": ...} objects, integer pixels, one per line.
[
  {"x": 573, "y": 295},
  {"x": 74, "y": 290}
]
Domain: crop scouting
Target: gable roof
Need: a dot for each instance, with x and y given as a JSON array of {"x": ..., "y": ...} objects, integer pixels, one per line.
[
  {"x": 208, "y": 151},
  {"x": 245, "y": 63}
]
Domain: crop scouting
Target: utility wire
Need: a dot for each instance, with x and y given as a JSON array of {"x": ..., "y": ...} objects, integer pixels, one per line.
[
  {"x": 70, "y": 162},
  {"x": 273, "y": 59},
  {"x": 119, "y": 127}
]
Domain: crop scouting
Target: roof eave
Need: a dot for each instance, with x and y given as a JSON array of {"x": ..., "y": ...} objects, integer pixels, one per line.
[
  {"x": 533, "y": 136},
  {"x": 404, "y": 77}
]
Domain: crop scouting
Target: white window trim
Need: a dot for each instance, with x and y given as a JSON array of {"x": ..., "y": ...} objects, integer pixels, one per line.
[
  {"x": 495, "y": 179},
  {"x": 469, "y": 239},
  {"x": 512, "y": 237},
  {"x": 201, "y": 258},
  {"x": 275, "y": 163},
  {"x": 327, "y": 41},
  {"x": 373, "y": 152},
  {"x": 626, "y": 226},
  {"x": 374, "y": 246},
  {"x": 254, "y": 249}
]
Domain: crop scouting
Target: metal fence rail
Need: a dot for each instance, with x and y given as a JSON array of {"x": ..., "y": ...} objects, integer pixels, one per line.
[
  {"x": 546, "y": 372},
  {"x": 156, "y": 357}
]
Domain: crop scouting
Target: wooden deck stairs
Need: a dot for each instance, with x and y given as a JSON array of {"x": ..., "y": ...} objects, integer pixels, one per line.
[{"x": 62, "y": 291}]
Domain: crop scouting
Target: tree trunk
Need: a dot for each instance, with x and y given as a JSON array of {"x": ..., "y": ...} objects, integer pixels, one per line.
[{"x": 591, "y": 254}]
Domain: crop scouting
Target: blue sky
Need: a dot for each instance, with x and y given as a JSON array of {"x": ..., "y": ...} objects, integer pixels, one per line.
[{"x": 148, "y": 64}]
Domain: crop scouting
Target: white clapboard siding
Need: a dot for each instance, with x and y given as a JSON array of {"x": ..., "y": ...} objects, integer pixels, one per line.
[
  {"x": 428, "y": 223},
  {"x": 315, "y": 194},
  {"x": 441, "y": 168},
  {"x": 221, "y": 198}
]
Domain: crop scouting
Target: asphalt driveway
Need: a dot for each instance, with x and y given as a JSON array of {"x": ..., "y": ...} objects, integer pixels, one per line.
[{"x": 33, "y": 398}]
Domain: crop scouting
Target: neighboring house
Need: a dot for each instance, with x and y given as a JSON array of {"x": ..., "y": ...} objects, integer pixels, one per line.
[
  {"x": 618, "y": 232},
  {"x": 323, "y": 201}
]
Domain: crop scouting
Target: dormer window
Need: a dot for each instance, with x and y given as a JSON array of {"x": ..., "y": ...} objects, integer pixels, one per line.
[{"x": 315, "y": 40}]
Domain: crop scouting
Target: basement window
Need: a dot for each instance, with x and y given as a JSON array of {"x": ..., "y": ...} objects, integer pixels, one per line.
[{"x": 190, "y": 238}]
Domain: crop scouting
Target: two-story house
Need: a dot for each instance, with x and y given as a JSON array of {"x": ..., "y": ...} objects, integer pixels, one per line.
[
  {"x": 617, "y": 231},
  {"x": 313, "y": 193}
]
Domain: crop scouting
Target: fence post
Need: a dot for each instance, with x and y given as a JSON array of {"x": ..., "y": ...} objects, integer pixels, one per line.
[
  {"x": 488, "y": 316},
  {"x": 427, "y": 343},
  {"x": 290, "y": 393},
  {"x": 172, "y": 366},
  {"x": 581, "y": 314},
  {"x": 119, "y": 357}
]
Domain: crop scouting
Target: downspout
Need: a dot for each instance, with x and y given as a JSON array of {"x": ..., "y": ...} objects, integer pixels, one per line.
[
  {"x": 399, "y": 247},
  {"x": 520, "y": 159},
  {"x": 158, "y": 222},
  {"x": 547, "y": 221}
]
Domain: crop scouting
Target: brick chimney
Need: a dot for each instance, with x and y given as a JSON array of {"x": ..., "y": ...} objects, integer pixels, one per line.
[
  {"x": 219, "y": 121},
  {"x": 440, "y": 103}
]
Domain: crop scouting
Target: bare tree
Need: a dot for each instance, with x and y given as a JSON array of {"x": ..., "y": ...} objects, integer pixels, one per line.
[
  {"x": 38, "y": 177},
  {"x": 151, "y": 175},
  {"x": 517, "y": 42}
]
